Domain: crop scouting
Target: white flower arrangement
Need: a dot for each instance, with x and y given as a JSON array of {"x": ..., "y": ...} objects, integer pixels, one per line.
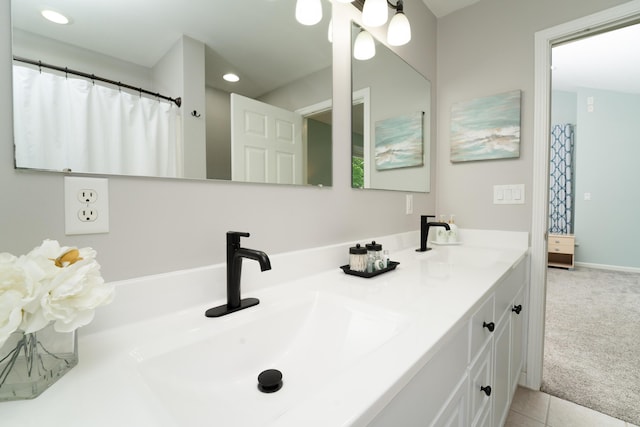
[{"x": 50, "y": 284}]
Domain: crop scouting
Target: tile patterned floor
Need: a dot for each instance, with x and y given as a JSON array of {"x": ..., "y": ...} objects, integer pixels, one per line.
[{"x": 536, "y": 409}]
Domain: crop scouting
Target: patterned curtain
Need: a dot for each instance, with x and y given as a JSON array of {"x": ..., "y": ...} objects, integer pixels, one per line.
[{"x": 561, "y": 180}]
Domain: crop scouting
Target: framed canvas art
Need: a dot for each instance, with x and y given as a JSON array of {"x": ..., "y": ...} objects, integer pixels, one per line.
[
  {"x": 399, "y": 142},
  {"x": 486, "y": 128}
]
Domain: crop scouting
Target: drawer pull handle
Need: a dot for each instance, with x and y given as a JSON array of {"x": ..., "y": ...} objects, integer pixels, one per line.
[
  {"x": 490, "y": 326},
  {"x": 487, "y": 390},
  {"x": 517, "y": 308}
]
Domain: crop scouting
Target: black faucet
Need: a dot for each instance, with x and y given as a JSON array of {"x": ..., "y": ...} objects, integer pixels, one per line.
[
  {"x": 424, "y": 230},
  {"x": 235, "y": 254}
]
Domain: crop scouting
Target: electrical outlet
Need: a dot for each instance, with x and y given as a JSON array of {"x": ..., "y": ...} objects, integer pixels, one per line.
[
  {"x": 87, "y": 195},
  {"x": 86, "y": 205},
  {"x": 88, "y": 215}
]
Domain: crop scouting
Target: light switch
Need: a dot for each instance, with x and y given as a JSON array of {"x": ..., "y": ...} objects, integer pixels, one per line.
[{"x": 512, "y": 194}]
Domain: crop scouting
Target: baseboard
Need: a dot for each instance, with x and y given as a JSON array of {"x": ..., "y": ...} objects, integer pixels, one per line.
[{"x": 608, "y": 267}]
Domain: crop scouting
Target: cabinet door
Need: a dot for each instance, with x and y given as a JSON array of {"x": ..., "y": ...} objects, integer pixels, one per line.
[
  {"x": 480, "y": 384},
  {"x": 454, "y": 413},
  {"x": 517, "y": 339},
  {"x": 501, "y": 369}
]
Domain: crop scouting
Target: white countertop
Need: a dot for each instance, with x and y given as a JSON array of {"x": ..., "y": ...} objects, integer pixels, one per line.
[{"x": 430, "y": 291}]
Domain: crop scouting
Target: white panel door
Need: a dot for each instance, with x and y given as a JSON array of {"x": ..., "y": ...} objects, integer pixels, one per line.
[{"x": 266, "y": 143}]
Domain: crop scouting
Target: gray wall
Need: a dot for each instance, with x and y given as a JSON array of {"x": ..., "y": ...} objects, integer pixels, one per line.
[
  {"x": 607, "y": 153},
  {"x": 563, "y": 107},
  {"x": 487, "y": 49},
  {"x": 159, "y": 225}
]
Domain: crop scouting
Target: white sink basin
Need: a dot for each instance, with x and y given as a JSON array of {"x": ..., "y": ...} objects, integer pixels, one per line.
[{"x": 208, "y": 375}]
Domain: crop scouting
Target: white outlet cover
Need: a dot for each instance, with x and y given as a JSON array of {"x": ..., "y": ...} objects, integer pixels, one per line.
[{"x": 73, "y": 186}]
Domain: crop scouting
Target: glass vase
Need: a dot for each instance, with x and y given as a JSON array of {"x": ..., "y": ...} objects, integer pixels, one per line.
[{"x": 30, "y": 363}]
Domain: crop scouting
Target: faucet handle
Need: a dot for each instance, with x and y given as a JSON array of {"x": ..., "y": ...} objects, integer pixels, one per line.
[{"x": 233, "y": 237}]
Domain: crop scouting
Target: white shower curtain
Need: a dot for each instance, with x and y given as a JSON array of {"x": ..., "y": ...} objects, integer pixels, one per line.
[{"x": 71, "y": 123}]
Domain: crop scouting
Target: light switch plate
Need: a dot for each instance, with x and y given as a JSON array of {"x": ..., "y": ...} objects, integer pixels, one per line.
[
  {"x": 86, "y": 202},
  {"x": 512, "y": 194}
]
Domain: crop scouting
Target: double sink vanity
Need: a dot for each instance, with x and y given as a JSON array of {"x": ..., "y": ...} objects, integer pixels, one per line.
[{"x": 438, "y": 341}]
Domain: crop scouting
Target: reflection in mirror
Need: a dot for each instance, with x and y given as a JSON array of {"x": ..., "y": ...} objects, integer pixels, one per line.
[
  {"x": 262, "y": 128},
  {"x": 390, "y": 123}
]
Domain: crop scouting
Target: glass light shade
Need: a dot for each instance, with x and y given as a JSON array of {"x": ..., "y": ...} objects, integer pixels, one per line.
[
  {"x": 308, "y": 12},
  {"x": 364, "y": 47},
  {"x": 399, "y": 31},
  {"x": 375, "y": 13}
]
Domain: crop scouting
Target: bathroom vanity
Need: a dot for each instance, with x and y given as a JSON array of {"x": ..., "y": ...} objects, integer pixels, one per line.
[{"x": 439, "y": 341}]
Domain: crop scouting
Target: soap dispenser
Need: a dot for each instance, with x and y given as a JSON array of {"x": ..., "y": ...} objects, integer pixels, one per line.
[{"x": 453, "y": 232}]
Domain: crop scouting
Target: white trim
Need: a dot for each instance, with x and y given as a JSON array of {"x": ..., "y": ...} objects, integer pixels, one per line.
[
  {"x": 540, "y": 198},
  {"x": 363, "y": 96},
  {"x": 315, "y": 108},
  {"x": 608, "y": 267}
]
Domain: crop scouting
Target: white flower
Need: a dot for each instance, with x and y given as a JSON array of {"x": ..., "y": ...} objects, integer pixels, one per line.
[
  {"x": 50, "y": 284},
  {"x": 17, "y": 289}
]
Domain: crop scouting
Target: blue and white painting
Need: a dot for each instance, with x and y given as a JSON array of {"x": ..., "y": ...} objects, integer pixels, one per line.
[
  {"x": 399, "y": 142},
  {"x": 486, "y": 128}
]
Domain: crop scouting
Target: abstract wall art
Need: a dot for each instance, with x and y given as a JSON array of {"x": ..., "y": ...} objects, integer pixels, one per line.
[
  {"x": 486, "y": 128},
  {"x": 399, "y": 142}
]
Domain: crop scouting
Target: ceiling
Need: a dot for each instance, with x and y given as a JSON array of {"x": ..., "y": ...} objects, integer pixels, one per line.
[
  {"x": 609, "y": 61},
  {"x": 441, "y": 8}
]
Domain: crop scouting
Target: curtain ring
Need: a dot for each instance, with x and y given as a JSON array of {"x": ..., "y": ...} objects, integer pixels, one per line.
[{"x": 40, "y": 66}]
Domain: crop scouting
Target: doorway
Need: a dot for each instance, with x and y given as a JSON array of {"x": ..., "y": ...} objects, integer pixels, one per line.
[{"x": 544, "y": 40}]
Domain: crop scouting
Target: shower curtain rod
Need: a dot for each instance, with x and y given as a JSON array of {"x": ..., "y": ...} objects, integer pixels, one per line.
[{"x": 177, "y": 101}]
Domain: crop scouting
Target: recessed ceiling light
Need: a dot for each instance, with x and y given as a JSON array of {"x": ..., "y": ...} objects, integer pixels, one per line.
[
  {"x": 55, "y": 17},
  {"x": 230, "y": 77}
]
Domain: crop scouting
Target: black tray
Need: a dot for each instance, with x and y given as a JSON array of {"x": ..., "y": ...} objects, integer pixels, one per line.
[{"x": 391, "y": 266}]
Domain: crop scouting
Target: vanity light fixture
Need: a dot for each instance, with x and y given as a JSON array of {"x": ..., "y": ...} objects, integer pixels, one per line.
[
  {"x": 231, "y": 77},
  {"x": 55, "y": 17},
  {"x": 399, "y": 30},
  {"x": 375, "y": 13},
  {"x": 308, "y": 12},
  {"x": 364, "y": 47}
]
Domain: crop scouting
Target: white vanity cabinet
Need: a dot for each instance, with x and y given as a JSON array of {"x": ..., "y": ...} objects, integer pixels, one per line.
[{"x": 471, "y": 378}]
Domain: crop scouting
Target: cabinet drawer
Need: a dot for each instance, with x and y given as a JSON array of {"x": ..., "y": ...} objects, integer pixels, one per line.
[
  {"x": 561, "y": 248},
  {"x": 561, "y": 239},
  {"x": 509, "y": 287},
  {"x": 480, "y": 327}
]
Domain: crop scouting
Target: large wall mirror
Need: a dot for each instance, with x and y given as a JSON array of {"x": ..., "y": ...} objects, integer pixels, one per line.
[
  {"x": 390, "y": 120},
  {"x": 266, "y": 127}
]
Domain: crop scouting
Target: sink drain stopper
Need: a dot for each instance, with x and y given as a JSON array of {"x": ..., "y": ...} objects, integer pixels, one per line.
[{"x": 270, "y": 381}]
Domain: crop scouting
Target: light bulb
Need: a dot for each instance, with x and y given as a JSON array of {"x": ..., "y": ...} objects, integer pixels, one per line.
[
  {"x": 364, "y": 47},
  {"x": 55, "y": 17},
  {"x": 231, "y": 77},
  {"x": 399, "y": 31},
  {"x": 375, "y": 13},
  {"x": 308, "y": 12}
]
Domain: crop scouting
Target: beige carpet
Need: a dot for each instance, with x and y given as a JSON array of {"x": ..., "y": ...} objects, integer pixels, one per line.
[{"x": 592, "y": 340}]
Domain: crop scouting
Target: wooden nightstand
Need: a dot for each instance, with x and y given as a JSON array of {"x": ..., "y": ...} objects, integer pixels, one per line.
[{"x": 561, "y": 249}]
